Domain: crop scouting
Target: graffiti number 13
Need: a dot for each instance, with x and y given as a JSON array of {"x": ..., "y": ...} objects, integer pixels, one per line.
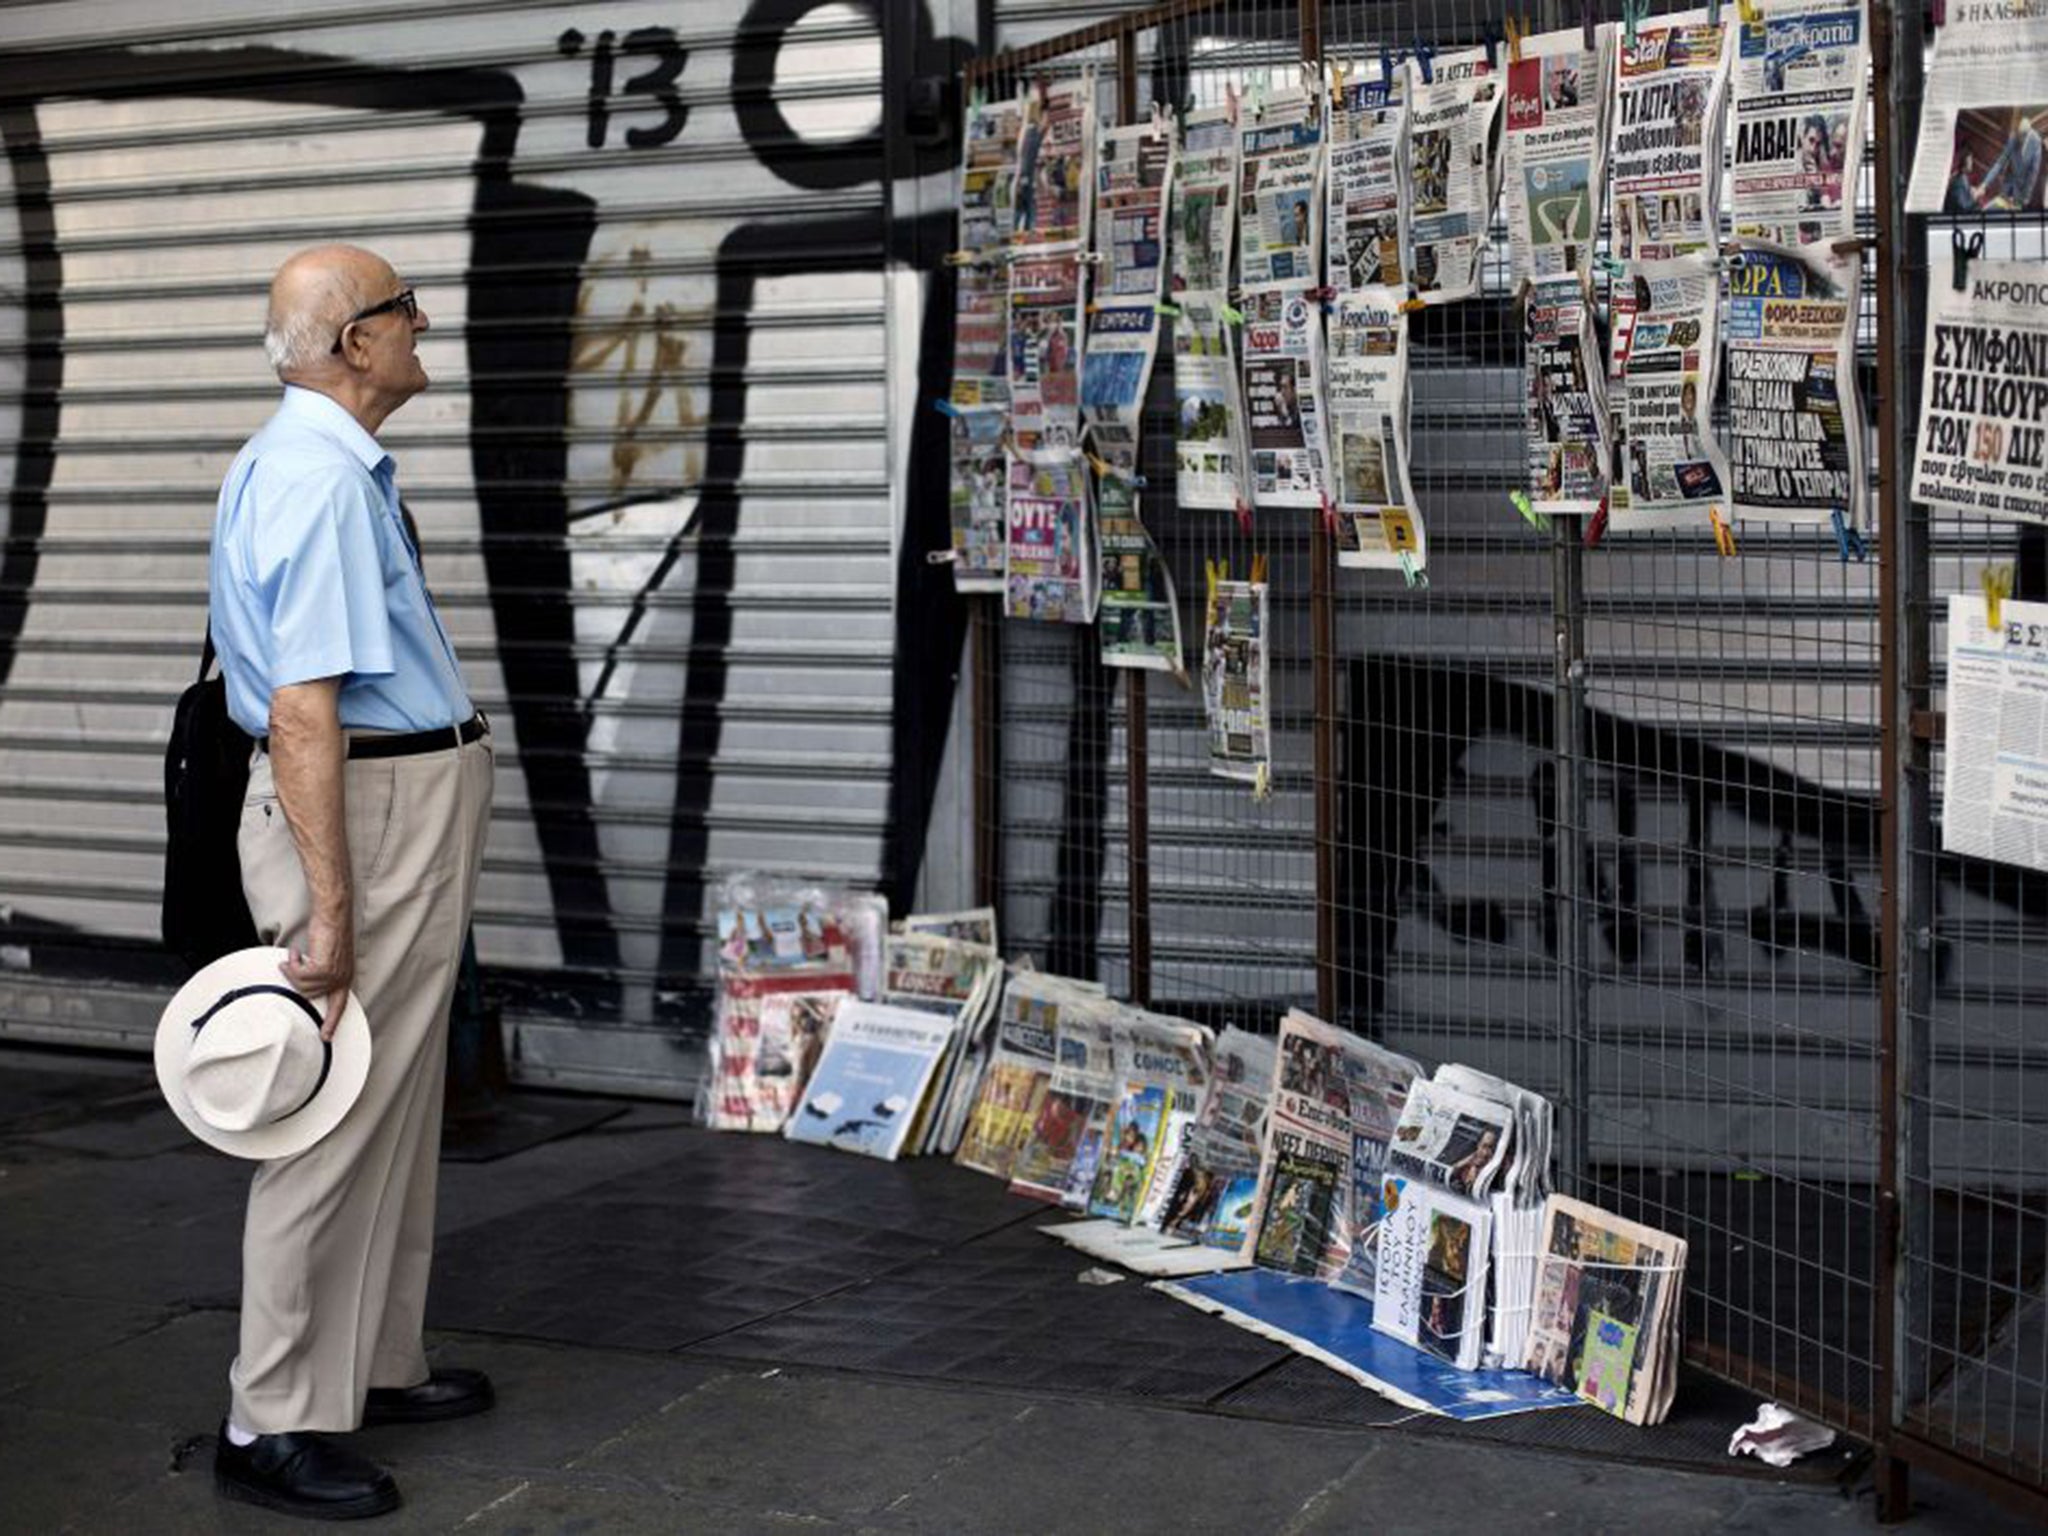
[{"x": 657, "y": 80}]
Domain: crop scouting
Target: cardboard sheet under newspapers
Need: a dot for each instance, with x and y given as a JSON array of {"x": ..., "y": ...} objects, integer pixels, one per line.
[
  {"x": 1994, "y": 787},
  {"x": 1142, "y": 1250},
  {"x": 1336, "y": 1329},
  {"x": 1983, "y": 441},
  {"x": 1454, "y": 163},
  {"x": 1795, "y": 421},
  {"x": 1378, "y": 522},
  {"x": 1984, "y": 121},
  {"x": 1799, "y": 102}
]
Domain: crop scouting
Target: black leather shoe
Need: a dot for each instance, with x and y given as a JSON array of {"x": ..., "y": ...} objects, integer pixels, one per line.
[
  {"x": 448, "y": 1394},
  {"x": 303, "y": 1474}
]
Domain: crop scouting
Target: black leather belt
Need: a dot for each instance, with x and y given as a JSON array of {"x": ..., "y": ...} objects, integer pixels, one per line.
[{"x": 411, "y": 743}]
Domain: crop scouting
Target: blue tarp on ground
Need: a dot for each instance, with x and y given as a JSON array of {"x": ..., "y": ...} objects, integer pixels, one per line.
[{"x": 1335, "y": 1327}]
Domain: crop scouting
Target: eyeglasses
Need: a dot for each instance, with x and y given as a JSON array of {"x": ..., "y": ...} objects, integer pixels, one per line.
[{"x": 406, "y": 301}]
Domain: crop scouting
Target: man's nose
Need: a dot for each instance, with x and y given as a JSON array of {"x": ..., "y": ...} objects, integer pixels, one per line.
[{"x": 420, "y": 322}]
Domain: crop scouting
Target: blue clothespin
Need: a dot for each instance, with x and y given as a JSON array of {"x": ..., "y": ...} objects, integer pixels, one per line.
[
  {"x": 1490, "y": 35},
  {"x": 945, "y": 407},
  {"x": 1387, "y": 64},
  {"x": 1422, "y": 57},
  {"x": 1847, "y": 539},
  {"x": 1411, "y": 573},
  {"x": 1713, "y": 13}
]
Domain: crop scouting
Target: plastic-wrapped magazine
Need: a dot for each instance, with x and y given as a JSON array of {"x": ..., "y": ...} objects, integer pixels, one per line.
[
  {"x": 1431, "y": 1285},
  {"x": 1164, "y": 1071},
  {"x": 765, "y": 1043},
  {"x": 1336, "y": 1099},
  {"x": 872, "y": 1079},
  {"x": 976, "y": 925},
  {"x": 779, "y": 937},
  {"x": 1212, "y": 1198},
  {"x": 1079, "y": 1095},
  {"x": 1606, "y": 1316},
  {"x": 1019, "y": 1070}
]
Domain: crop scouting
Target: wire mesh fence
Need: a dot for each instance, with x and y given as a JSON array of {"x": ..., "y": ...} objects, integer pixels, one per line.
[{"x": 1644, "y": 827}]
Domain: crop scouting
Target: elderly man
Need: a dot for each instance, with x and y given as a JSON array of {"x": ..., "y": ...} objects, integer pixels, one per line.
[{"x": 361, "y": 838}]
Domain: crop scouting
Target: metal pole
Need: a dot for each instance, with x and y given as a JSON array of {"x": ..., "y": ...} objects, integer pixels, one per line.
[
  {"x": 1137, "y": 730},
  {"x": 1322, "y": 600},
  {"x": 1568, "y": 703}
]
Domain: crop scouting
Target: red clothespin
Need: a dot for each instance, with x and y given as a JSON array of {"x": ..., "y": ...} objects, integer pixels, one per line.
[
  {"x": 1596, "y": 526},
  {"x": 1244, "y": 516},
  {"x": 1329, "y": 515}
]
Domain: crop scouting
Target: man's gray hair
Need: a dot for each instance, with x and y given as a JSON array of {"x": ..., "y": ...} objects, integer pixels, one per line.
[{"x": 300, "y": 338}]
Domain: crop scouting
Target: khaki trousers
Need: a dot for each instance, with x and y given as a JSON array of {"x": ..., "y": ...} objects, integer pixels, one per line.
[{"x": 339, "y": 1238}]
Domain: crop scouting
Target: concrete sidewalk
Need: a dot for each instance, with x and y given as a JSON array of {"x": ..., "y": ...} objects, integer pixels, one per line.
[{"x": 692, "y": 1333}]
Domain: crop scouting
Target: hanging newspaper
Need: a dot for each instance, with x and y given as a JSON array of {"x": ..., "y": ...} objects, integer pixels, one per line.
[
  {"x": 1795, "y": 426},
  {"x": 1674, "y": 463},
  {"x": 1669, "y": 103},
  {"x": 980, "y": 394},
  {"x": 1279, "y": 204},
  {"x": 1368, "y": 201},
  {"x": 1377, "y": 521},
  {"x": 1050, "y": 565},
  {"x": 1568, "y": 438},
  {"x": 1055, "y": 164},
  {"x": 1994, "y": 787},
  {"x": 1204, "y": 201},
  {"x": 1122, "y": 340},
  {"x": 1140, "y": 614},
  {"x": 1799, "y": 96},
  {"x": 1209, "y": 455},
  {"x": 1983, "y": 442},
  {"x": 1454, "y": 135},
  {"x": 1133, "y": 169},
  {"x": 1556, "y": 151},
  {"x": 1283, "y": 389},
  {"x": 1236, "y": 681},
  {"x": 1045, "y": 353},
  {"x": 1985, "y": 112}
]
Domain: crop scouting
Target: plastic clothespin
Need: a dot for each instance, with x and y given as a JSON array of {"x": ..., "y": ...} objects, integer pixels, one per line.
[
  {"x": 1243, "y": 510},
  {"x": 1589, "y": 22},
  {"x": 1940, "y": 13},
  {"x": 1996, "y": 580},
  {"x": 1387, "y": 63},
  {"x": 1724, "y": 536},
  {"x": 1847, "y": 539},
  {"x": 1258, "y": 576},
  {"x": 1423, "y": 55},
  {"x": 1747, "y": 13},
  {"x": 1215, "y": 572},
  {"x": 1171, "y": 311},
  {"x": 1330, "y": 524},
  {"x": 1629, "y": 12},
  {"x": 946, "y": 407},
  {"x": 1537, "y": 520},
  {"x": 1232, "y": 314},
  {"x": 978, "y": 97},
  {"x": 1966, "y": 249},
  {"x": 1412, "y": 304},
  {"x": 1516, "y": 28},
  {"x": 1412, "y": 573},
  {"x": 1262, "y": 782},
  {"x": 941, "y": 556},
  {"x": 1596, "y": 526},
  {"x": 1490, "y": 37}
]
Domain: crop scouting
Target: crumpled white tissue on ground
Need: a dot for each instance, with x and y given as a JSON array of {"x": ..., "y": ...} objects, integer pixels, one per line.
[{"x": 1779, "y": 1436}]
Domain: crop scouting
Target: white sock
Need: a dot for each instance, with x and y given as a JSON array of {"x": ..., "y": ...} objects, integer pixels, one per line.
[{"x": 238, "y": 1435}]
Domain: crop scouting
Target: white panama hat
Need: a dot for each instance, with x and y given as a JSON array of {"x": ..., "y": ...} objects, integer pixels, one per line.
[{"x": 240, "y": 1059}]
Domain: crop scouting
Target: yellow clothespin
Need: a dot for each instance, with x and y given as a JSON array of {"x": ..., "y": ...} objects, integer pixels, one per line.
[
  {"x": 1262, "y": 782},
  {"x": 1516, "y": 29},
  {"x": 1724, "y": 536},
  {"x": 1996, "y": 581},
  {"x": 1747, "y": 11},
  {"x": 1411, "y": 306},
  {"x": 1258, "y": 570},
  {"x": 1218, "y": 572}
]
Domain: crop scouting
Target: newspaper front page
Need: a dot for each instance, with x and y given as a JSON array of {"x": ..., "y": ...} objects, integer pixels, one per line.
[
  {"x": 1799, "y": 102},
  {"x": 1670, "y": 96},
  {"x": 1236, "y": 681},
  {"x": 1984, "y": 124},
  {"x": 1454, "y": 141},
  {"x": 1795, "y": 424},
  {"x": 1077, "y": 1098},
  {"x": 1055, "y": 186},
  {"x": 1568, "y": 436},
  {"x": 1209, "y": 452},
  {"x": 1431, "y": 1286},
  {"x": 980, "y": 394},
  {"x": 1283, "y": 390},
  {"x": 1204, "y": 201},
  {"x": 1556, "y": 151},
  {"x": 1994, "y": 786},
  {"x": 1213, "y": 1201},
  {"x": 1140, "y": 613},
  {"x": 1045, "y": 353},
  {"x": 1377, "y": 520},
  {"x": 1368, "y": 187},
  {"x": 1674, "y": 464},
  {"x": 1280, "y": 190},
  {"x": 1134, "y": 167},
  {"x": 1983, "y": 441},
  {"x": 1050, "y": 565}
]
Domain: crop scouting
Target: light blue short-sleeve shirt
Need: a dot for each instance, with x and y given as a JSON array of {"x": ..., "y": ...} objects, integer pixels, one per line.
[{"x": 313, "y": 576}]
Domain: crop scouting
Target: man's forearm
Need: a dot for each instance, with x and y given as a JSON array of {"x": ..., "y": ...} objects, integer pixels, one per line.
[{"x": 306, "y": 757}]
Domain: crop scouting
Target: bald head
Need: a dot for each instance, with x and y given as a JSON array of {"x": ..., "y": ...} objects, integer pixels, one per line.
[{"x": 311, "y": 299}]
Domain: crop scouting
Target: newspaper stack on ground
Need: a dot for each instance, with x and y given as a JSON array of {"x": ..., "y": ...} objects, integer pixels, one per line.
[
  {"x": 980, "y": 397},
  {"x": 872, "y": 1080},
  {"x": 1606, "y": 1322},
  {"x": 1985, "y": 113},
  {"x": 1237, "y": 682},
  {"x": 1214, "y": 1200},
  {"x": 1279, "y": 258},
  {"x": 1336, "y": 1100},
  {"x": 1454, "y": 142},
  {"x": 1795, "y": 422},
  {"x": 1983, "y": 440},
  {"x": 1164, "y": 1070},
  {"x": 1368, "y": 192},
  {"x": 1674, "y": 463},
  {"x": 1013, "y": 1085},
  {"x": 958, "y": 982},
  {"x": 1378, "y": 523},
  {"x": 1556, "y": 155},
  {"x": 1209, "y": 443},
  {"x": 1079, "y": 1098},
  {"x": 784, "y": 966},
  {"x": 1799, "y": 98}
]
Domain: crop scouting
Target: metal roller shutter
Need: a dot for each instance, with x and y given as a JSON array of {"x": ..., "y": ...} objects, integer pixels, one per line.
[{"x": 653, "y": 475}]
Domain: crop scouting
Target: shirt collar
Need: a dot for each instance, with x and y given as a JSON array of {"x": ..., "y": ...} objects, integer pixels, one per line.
[{"x": 328, "y": 415}]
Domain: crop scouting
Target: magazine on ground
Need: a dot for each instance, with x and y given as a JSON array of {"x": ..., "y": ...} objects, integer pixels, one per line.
[
  {"x": 1606, "y": 1318},
  {"x": 1164, "y": 1076},
  {"x": 1451, "y": 1138},
  {"x": 1430, "y": 1290},
  {"x": 1213, "y": 1196},
  {"x": 1019, "y": 1071},
  {"x": 872, "y": 1079},
  {"x": 765, "y": 1044},
  {"x": 1073, "y": 1116}
]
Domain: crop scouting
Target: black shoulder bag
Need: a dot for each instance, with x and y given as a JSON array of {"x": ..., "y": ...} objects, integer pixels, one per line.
[{"x": 206, "y": 774}]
